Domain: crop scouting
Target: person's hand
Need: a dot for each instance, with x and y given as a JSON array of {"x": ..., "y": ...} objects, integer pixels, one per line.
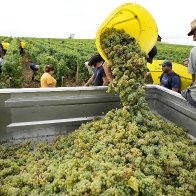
[
  {"x": 193, "y": 83},
  {"x": 112, "y": 84},
  {"x": 148, "y": 74},
  {"x": 186, "y": 62}
]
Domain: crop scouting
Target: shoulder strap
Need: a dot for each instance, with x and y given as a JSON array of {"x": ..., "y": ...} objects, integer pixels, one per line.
[
  {"x": 173, "y": 74},
  {"x": 170, "y": 79},
  {"x": 161, "y": 77}
]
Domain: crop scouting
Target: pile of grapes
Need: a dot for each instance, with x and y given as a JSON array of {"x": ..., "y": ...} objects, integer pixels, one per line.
[{"x": 129, "y": 152}]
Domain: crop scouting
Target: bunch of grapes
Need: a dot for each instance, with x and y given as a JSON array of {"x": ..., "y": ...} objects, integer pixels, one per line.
[{"x": 129, "y": 152}]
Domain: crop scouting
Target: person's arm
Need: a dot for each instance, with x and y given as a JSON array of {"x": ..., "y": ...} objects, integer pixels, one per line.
[
  {"x": 50, "y": 81},
  {"x": 175, "y": 89},
  {"x": 192, "y": 66},
  {"x": 108, "y": 72},
  {"x": 176, "y": 83},
  {"x": 105, "y": 81},
  {"x": 193, "y": 78},
  {"x": 104, "y": 78},
  {"x": 146, "y": 76},
  {"x": 90, "y": 80}
]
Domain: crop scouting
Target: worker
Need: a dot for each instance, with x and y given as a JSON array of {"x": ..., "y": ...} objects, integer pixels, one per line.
[
  {"x": 149, "y": 59},
  {"x": 192, "y": 57},
  {"x": 35, "y": 69},
  {"x": 22, "y": 47},
  {"x": 99, "y": 77},
  {"x": 1, "y": 61},
  {"x": 169, "y": 79},
  {"x": 47, "y": 79},
  {"x": 1, "y": 50},
  {"x": 4, "y": 46},
  {"x": 190, "y": 94}
]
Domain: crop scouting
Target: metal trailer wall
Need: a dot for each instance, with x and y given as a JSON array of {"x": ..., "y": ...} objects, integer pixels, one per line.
[
  {"x": 28, "y": 113},
  {"x": 172, "y": 107}
]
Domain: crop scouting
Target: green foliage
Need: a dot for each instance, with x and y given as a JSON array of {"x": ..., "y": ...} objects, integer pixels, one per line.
[
  {"x": 11, "y": 68},
  {"x": 62, "y": 70},
  {"x": 174, "y": 53},
  {"x": 5, "y": 39},
  {"x": 65, "y": 61}
]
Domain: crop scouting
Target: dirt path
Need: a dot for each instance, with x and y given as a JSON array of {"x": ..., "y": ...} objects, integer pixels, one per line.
[{"x": 27, "y": 74}]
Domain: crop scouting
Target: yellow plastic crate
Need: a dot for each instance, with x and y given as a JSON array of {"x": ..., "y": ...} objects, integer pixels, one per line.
[
  {"x": 5, "y": 45},
  {"x": 156, "y": 71},
  {"x": 134, "y": 20},
  {"x": 23, "y": 44}
]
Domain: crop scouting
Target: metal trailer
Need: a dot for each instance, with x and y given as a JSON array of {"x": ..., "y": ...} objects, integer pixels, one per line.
[{"x": 33, "y": 113}]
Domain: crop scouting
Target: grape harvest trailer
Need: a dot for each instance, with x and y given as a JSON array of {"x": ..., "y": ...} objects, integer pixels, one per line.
[{"x": 33, "y": 113}]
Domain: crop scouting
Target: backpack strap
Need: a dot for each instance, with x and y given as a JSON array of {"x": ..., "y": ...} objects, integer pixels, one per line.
[
  {"x": 170, "y": 79},
  {"x": 161, "y": 77}
]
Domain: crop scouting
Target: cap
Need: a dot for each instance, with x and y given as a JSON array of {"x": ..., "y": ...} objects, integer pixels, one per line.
[
  {"x": 95, "y": 59},
  {"x": 86, "y": 63},
  {"x": 166, "y": 63},
  {"x": 193, "y": 27}
]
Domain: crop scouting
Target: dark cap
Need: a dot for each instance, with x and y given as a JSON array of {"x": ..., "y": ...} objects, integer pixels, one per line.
[
  {"x": 95, "y": 59},
  {"x": 166, "y": 63}
]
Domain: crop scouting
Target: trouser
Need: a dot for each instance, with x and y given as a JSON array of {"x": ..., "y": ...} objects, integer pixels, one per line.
[
  {"x": 33, "y": 75},
  {"x": 187, "y": 95}
]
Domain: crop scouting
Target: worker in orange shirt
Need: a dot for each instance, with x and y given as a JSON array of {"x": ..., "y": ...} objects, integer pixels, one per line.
[{"x": 47, "y": 79}]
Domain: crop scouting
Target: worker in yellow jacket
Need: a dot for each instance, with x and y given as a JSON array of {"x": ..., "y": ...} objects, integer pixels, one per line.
[
  {"x": 22, "y": 47},
  {"x": 3, "y": 48}
]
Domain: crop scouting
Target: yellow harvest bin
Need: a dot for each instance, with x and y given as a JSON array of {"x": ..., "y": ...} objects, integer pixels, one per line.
[
  {"x": 23, "y": 44},
  {"x": 156, "y": 71},
  {"x": 134, "y": 20},
  {"x": 5, "y": 45}
]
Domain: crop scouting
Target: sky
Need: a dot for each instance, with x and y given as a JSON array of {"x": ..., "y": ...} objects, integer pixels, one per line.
[{"x": 59, "y": 18}]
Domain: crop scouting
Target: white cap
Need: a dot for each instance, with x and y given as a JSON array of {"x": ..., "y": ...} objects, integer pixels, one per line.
[{"x": 86, "y": 63}]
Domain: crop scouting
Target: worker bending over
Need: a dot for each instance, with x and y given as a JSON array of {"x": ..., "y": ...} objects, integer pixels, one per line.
[{"x": 35, "y": 69}]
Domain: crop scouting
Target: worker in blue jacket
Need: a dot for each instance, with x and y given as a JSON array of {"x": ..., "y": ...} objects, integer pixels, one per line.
[
  {"x": 34, "y": 69},
  {"x": 169, "y": 79}
]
